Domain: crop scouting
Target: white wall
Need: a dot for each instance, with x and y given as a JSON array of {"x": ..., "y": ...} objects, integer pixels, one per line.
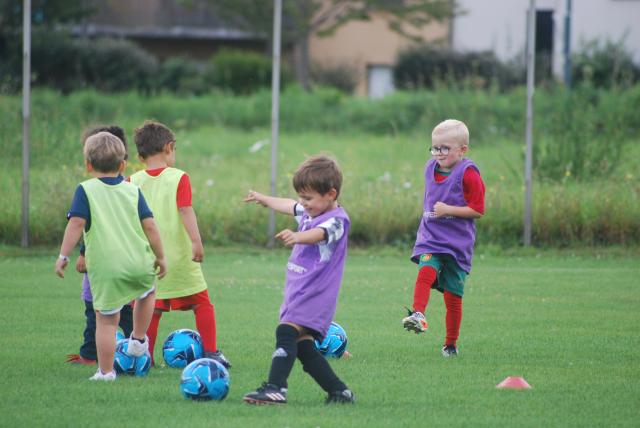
[{"x": 500, "y": 25}]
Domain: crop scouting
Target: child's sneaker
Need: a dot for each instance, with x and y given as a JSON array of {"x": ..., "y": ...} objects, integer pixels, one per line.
[
  {"x": 219, "y": 357},
  {"x": 79, "y": 359},
  {"x": 107, "y": 377},
  {"x": 268, "y": 393},
  {"x": 449, "y": 351},
  {"x": 341, "y": 397},
  {"x": 415, "y": 322},
  {"x": 136, "y": 348}
]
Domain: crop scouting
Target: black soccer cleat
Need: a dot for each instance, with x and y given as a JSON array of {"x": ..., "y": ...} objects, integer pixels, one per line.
[
  {"x": 341, "y": 397},
  {"x": 268, "y": 393},
  {"x": 449, "y": 351},
  {"x": 219, "y": 357}
]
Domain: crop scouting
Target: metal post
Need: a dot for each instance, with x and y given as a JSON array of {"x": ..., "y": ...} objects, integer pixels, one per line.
[
  {"x": 567, "y": 45},
  {"x": 26, "y": 95},
  {"x": 528, "y": 161},
  {"x": 275, "y": 110}
]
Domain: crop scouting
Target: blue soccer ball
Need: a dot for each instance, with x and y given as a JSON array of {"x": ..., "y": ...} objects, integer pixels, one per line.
[
  {"x": 127, "y": 364},
  {"x": 335, "y": 342},
  {"x": 205, "y": 379},
  {"x": 182, "y": 347}
]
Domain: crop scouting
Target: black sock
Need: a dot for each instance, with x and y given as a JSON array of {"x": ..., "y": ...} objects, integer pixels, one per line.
[
  {"x": 284, "y": 356},
  {"x": 318, "y": 367}
]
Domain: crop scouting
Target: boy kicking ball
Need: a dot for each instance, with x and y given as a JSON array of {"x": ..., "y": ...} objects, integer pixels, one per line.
[{"x": 453, "y": 200}]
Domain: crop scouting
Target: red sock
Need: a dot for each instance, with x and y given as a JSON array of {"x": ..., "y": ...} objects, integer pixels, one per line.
[
  {"x": 422, "y": 290},
  {"x": 206, "y": 325},
  {"x": 152, "y": 331},
  {"x": 454, "y": 317}
]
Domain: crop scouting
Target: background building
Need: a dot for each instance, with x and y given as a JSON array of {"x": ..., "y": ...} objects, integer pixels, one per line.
[
  {"x": 500, "y": 26},
  {"x": 166, "y": 28},
  {"x": 371, "y": 47}
]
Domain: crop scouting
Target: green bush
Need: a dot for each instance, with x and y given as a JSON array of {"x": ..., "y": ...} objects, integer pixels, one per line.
[
  {"x": 241, "y": 72},
  {"x": 341, "y": 76},
  {"x": 605, "y": 64},
  {"x": 426, "y": 66},
  {"x": 116, "y": 65},
  {"x": 184, "y": 76},
  {"x": 61, "y": 62}
]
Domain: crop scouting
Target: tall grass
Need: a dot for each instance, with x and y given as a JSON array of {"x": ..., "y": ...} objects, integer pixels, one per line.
[
  {"x": 382, "y": 191},
  {"x": 573, "y": 127}
]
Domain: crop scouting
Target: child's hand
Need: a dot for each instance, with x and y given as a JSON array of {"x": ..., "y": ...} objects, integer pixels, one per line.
[
  {"x": 288, "y": 237},
  {"x": 60, "y": 265},
  {"x": 441, "y": 209},
  {"x": 197, "y": 250},
  {"x": 81, "y": 265},
  {"x": 256, "y": 197},
  {"x": 161, "y": 266}
]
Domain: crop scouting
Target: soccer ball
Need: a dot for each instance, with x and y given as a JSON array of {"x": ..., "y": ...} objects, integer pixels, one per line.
[
  {"x": 127, "y": 364},
  {"x": 335, "y": 342},
  {"x": 182, "y": 347},
  {"x": 205, "y": 379}
]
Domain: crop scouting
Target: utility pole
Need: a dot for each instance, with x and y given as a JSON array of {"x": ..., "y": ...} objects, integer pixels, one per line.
[
  {"x": 528, "y": 160},
  {"x": 26, "y": 102},
  {"x": 275, "y": 113},
  {"x": 567, "y": 45}
]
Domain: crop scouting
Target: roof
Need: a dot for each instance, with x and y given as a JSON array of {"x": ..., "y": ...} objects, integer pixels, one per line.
[{"x": 159, "y": 19}]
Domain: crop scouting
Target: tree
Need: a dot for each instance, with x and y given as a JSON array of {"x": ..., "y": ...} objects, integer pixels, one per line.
[
  {"x": 44, "y": 13},
  {"x": 304, "y": 18},
  {"x": 45, "y": 16}
]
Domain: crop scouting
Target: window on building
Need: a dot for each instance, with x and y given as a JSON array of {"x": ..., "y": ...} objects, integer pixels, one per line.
[{"x": 379, "y": 80}]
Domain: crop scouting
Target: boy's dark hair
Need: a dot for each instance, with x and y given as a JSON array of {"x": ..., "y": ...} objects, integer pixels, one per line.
[
  {"x": 151, "y": 138},
  {"x": 104, "y": 151},
  {"x": 111, "y": 129},
  {"x": 319, "y": 173}
]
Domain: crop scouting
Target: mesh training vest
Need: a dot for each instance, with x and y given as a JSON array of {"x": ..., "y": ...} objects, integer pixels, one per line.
[
  {"x": 118, "y": 255},
  {"x": 184, "y": 276}
]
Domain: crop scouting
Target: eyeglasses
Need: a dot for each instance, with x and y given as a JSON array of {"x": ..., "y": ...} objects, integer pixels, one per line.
[{"x": 444, "y": 150}]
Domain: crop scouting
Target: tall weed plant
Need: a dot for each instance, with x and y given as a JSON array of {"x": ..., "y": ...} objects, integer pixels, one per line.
[{"x": 584, "y": 132}]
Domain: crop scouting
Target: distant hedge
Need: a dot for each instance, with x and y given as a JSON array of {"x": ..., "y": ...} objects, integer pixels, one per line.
[
  {"x": 66, "y": 64},
  {"x": 426, "y": 66}
]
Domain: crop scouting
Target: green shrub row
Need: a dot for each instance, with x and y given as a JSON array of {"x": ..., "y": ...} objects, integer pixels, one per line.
[
  {"x": 427, "y": 66},
  {"x": 68, "y": 64}
]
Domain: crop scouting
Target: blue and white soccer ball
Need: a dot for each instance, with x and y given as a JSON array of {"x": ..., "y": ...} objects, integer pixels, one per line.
[
  {"x": 335, "y": 342},
  {"x": 127, "y": 364},
  {"x": 182, "y": 347},
  {"x": 205, "y": 379}
]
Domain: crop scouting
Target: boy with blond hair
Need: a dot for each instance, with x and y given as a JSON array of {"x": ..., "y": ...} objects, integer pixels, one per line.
[
  {"x": 121, "y": 239},
  {"x": 87, "y": 354},
  {"x": 168, "y": 191},
  {"x": 453, "y": 199},
  {"x": 313, "y": 280}
]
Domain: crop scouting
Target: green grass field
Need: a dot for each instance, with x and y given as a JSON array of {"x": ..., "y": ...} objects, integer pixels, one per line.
[{"x": 568, "y": 323}]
